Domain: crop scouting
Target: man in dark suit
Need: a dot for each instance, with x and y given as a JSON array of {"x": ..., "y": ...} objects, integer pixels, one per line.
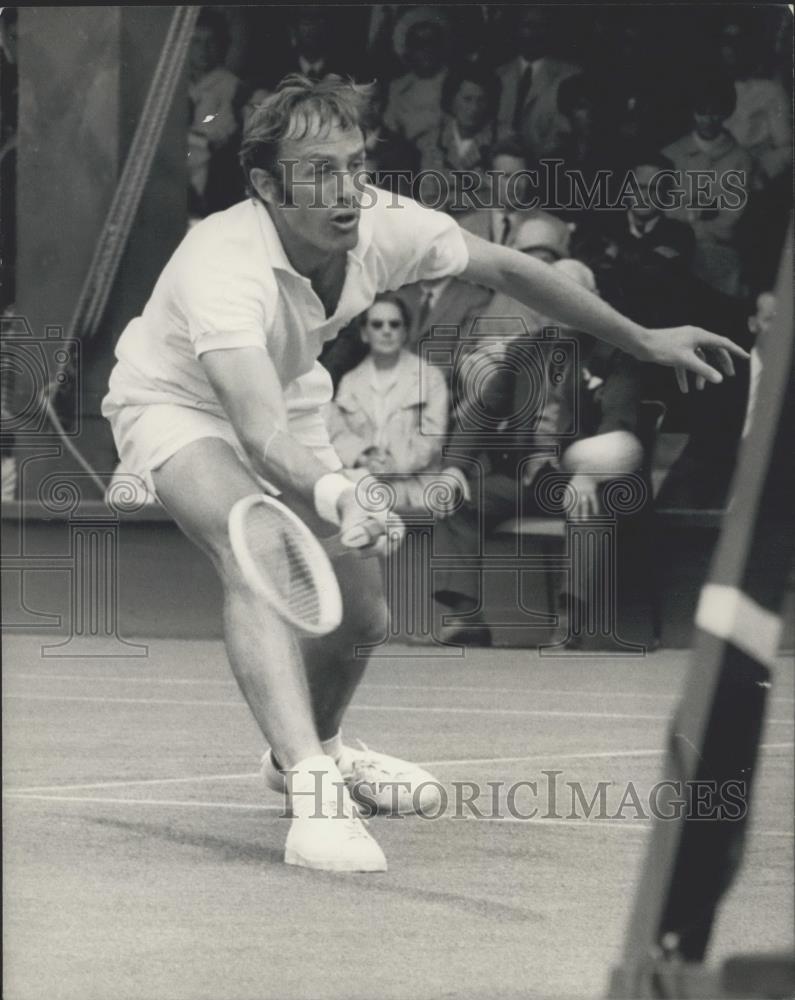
[
  {"x": 543, "y": 415},
  {"x": 641, "y": 256},
  {"x": 447, "y": 302}
]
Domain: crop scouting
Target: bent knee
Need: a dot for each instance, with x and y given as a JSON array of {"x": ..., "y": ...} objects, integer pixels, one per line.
[{"x": 365, "y": 624}]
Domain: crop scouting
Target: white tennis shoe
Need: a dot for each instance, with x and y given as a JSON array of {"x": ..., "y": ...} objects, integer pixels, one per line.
[
  {"x": 326, "y": 833},
  {"x": 377, "y": 782}
]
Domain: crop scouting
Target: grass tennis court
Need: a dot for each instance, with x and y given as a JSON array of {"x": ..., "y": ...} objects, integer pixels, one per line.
[{"x": 143, "y": 858}]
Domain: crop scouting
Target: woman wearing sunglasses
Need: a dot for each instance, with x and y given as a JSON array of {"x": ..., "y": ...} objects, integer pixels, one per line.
[{"x": 390, "y": 412}]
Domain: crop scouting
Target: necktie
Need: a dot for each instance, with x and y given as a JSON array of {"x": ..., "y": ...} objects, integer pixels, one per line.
[
  {"x": 522, "y": 90},
  {"x": 506, "y": 229}
]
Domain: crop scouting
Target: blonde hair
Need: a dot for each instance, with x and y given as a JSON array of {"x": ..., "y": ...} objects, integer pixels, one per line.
[{"x": 297, "y": 108}]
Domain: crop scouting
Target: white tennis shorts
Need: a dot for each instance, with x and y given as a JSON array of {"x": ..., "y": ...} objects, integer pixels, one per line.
[{"x": 147, "y": 436}]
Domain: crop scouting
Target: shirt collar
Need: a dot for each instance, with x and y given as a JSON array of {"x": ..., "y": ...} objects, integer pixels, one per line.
[{"x": 277, "y": 257}]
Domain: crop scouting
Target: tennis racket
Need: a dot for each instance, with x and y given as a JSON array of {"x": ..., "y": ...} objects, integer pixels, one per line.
[{"x": 287, "y": 566}]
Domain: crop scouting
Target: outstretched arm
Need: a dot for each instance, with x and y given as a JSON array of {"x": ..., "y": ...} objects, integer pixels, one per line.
[{"x": 685, "y": 348}]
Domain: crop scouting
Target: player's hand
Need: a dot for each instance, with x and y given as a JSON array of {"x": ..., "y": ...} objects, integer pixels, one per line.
[
  {"x": 689, "y": 349},
  {"x": 364, "y": 531},
  {"x": 586, "y": 492}
]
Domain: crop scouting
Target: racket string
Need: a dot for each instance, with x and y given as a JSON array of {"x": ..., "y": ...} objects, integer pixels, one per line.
[{"x": 282, "y": 560}]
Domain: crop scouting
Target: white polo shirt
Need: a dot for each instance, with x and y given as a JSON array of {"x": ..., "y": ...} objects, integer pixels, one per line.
[{"x": 229, "y": 284}]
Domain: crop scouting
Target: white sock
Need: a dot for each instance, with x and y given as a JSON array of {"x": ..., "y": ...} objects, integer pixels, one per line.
[{"x": 333, "y": 746}]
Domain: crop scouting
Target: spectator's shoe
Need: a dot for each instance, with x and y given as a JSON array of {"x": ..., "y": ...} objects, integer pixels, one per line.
[
  {"x": 326, "y": 833},
  {"x": 473, "y": 634},
  {"x": 465, "y": 635},
  {"x": 377, "y": 782}
]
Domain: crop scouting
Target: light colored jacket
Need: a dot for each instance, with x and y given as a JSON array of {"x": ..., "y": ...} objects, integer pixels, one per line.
[
  {"x": 717, "y": 255},
  {"x": 409, "y": 423}
]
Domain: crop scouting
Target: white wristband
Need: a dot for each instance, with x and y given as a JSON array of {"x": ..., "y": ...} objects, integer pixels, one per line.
[{"x": 328, "y": 489}]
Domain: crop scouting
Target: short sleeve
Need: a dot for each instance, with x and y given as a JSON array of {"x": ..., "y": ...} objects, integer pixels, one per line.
[
  {"x": 224, "y": 301},
  {"x": 416, "y": 243}
]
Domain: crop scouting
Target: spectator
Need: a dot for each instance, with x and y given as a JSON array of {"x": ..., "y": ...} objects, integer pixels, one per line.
[
  {"x": 534, "y": 417},
  {"x": 709, "y": 147},
  {"x": 390, "y": 413},
  {"x": 590, "y": 150},
  {"x": 642, "y": 257},
  {"x": 528, "y": 103},
  {"x": 761, "y": 121},
  {"x": 390, "y": 160},
  {"x": 308, "y": 47},
  {"x": 544, "y": 237},
  {"x": 447, "y": 302},
  {"x": 414, "y": 105},
  {"x": 510, "y": 201},
  {"x": 216, "y": 100},
  {"x": 628, "y": 52},
  {"x": 762, "y": 125},
  {"x": 463, "y": 140},
  {"x": 310, "y": 51}
]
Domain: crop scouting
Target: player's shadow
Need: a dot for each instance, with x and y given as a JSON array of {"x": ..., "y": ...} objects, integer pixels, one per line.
[{"x": 246, "y": 852}]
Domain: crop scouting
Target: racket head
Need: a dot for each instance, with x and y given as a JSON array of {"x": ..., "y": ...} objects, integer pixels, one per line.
[{"x": 284, "y": 564}]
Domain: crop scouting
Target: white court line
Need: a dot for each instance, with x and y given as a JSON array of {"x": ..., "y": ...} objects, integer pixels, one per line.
[
  {"x": 628, "y": 825},
  {"x": 198, "y": 778},
  {"x": 182, "y": 803},
  {"x": 468, "y": 762},
  {"x": 606, "y": 755},
  {"x": 452, "y": 686},
  {"x": 421, "y": 709}
]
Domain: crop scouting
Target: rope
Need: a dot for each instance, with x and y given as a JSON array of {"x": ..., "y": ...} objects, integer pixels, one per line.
[{"x": 116, "y": 229}]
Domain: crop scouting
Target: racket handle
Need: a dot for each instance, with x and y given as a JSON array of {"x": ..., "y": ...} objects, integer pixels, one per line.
[{"x": 359, "y": 537}]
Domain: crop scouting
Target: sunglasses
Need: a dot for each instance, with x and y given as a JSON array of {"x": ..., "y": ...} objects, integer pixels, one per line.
[{"x": 379, "y": 324}]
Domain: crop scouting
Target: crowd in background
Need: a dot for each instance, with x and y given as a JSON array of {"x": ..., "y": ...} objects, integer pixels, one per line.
[{"x": 495, "y": 91}]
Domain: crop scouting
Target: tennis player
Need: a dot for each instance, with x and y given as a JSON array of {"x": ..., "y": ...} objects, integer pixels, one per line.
[{"x": 217, "y": 391}]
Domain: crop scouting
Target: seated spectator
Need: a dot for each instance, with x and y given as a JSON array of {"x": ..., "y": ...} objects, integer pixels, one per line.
[
  {"x": 307, "y": 45},
  {"x": 761, "y": 121},
  {"x": 310, "y": 51},
  {"x": 447, "y": 302},
  {"x": 590, "y": 150},
  {"x": 544, "y": 237},
  {"x": 529, "y": 84},
  {"x": 216, "y": 101},
  {"x": 511, "y": 195},
  {"x": 629, "y": 52},
  {"x": 462, "y": 142},
  {"x": 537, "y": 421},
  {"x": 414, "y": 105},
  {"x": 642, "y": 257},
  {"x": 390, "y": 413},
  {"x": 710, "y": 147},
  {"x": 390, "y": 160}
]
